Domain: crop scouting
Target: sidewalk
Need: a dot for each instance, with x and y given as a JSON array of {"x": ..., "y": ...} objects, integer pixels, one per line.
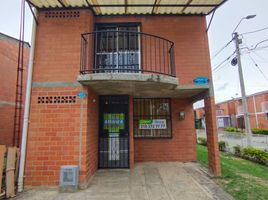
[{"x": 147, "y": 181}]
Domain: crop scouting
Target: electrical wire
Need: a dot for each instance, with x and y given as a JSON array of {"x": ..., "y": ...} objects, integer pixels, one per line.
[
  {"x": 219, "y": 66},
  {"x": 264, "y": 60},
  {"x": 256, "y": 65},
  {"x": 256, "y": 31},
  {"x": 219, "y": 51}
]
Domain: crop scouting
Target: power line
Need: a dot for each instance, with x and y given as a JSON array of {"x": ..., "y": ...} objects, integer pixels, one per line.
[
  {"x": 219, "y": 51},
  {"x": 223, "y": 62},
  {"x": 264, "y": 60},
  {"x": 265, "y": 77},
  {"x": 256, "y": 31},
  {"x": 222, "y": 66}
]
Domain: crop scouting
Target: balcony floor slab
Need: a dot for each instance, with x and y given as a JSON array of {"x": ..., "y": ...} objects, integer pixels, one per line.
[{"x": 139, "y": 85}]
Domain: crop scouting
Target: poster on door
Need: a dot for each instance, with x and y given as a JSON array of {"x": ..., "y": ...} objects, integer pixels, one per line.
[{"x": 114, "y": 122}]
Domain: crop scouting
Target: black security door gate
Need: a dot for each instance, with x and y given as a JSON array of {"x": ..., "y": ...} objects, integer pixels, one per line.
[{"x": 114, "y": 132}]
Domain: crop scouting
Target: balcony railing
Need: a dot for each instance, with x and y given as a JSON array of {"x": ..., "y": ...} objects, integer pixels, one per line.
[{"x": 126, "y": 52}]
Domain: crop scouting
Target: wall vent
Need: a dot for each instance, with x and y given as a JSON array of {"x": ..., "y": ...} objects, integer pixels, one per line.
[
  {"x": 56, "y": 99},
  {"x": 62, "y": 14},
  {"x": 69, "y": 178}
]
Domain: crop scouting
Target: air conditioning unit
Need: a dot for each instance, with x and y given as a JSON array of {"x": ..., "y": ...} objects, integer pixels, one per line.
[{"x": 69, "y": 178}]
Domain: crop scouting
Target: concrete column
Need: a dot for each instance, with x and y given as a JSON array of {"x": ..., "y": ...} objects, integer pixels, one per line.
[{"x": 212, "y": 136}]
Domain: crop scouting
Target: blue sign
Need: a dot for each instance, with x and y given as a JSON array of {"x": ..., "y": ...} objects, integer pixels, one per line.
[
  {"x": 201, "y": 80},
  {"x": 82, "y": 95}
]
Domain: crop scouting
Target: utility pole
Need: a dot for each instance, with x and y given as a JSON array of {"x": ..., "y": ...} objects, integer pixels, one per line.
[{"x": 243, "y": 92}]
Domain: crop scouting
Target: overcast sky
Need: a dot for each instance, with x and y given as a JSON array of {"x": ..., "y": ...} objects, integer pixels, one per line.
[{"x": 226, "y": 82}]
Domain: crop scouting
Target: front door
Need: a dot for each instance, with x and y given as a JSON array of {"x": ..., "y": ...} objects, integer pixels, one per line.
[{"x": 114, "y": 132}]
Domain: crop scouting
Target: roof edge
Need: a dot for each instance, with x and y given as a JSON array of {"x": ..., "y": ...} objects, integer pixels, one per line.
[{"x": 14, "y": 39}]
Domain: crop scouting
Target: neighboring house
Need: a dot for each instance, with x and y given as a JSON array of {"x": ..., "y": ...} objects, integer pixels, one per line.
[
  {"x": 136, "y": 63},
  {"x": 230, "y": 113},
  {"x": 8, "y": 66}
]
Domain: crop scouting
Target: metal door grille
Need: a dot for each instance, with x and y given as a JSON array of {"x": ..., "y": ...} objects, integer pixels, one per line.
[{"x": 114, "y": 132}]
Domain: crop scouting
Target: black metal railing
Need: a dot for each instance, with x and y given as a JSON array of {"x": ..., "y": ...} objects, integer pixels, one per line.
[
  {"x": 113, "y": 152},
  {"x": 126, "y": 52}
]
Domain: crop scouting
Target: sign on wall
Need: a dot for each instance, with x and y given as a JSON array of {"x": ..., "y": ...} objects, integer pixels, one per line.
[
  {"x": 201, "y": 80},
  {"x": 152, "y": 124}
]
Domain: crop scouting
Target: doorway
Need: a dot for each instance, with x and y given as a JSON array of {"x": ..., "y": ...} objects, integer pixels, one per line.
[{"x": 114, "y": 132}]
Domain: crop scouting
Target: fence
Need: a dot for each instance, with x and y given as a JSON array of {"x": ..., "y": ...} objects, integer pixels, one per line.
[
  {"x": 126, "y": 52},
  {"x": 234, "y": 139}
]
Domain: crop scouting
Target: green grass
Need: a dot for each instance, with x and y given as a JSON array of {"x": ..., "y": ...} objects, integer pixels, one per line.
[{"x": 242, "y": 179}]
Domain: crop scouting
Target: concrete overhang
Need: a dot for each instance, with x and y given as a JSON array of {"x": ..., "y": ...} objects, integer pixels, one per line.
[{"x": 139, "y": 85}]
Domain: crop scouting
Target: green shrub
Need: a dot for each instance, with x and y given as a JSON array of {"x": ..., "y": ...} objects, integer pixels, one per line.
[
  {"x": 237, "y": 150},
  {"x": 233, "y": 129},
  {"x": 255, "y": 155},
  {"x": 222, "y": 146},
  {"x": 202, "y": 141},
  {"x": 260, "y": 131}
]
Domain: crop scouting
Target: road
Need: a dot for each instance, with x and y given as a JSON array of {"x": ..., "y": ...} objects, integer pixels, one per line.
[{"x": 233, "y": 139}]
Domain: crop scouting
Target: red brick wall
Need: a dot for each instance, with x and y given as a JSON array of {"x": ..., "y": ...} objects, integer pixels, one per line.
[
  {"x": 53, "y": 138},
  {"x": 92, "y": 135},
  {"x": 262, "y": 118},
  {"x": 182, "y": 145},
  {"x": 58, "y": 45},
  {"x": 8, "y": 67},
  {"x": 212, "y": 137},
  {"x": 188, "y": 34}
]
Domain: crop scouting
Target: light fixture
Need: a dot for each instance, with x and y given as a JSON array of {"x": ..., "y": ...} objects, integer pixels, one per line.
[
  {"x": 181, "y": 115},
  {"x": 247, "y": 17},
  {"x": 250, "y": 16}
]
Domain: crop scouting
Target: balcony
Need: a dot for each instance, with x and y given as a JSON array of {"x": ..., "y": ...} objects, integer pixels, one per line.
[{"x": 137, "y": 61}]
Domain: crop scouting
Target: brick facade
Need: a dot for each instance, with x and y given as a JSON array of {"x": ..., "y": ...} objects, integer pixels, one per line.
[
  {"x": 234, "y": 111},
  {"x": 182, "y": 144},
  {"x": 8, "y": 66},
  {"x": 55, "y": 127}
]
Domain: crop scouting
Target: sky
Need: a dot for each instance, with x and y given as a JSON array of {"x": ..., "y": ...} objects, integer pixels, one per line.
[{"x": 225, "y": 79}]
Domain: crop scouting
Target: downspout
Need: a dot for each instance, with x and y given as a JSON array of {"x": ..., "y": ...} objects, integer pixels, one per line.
[
  {"x": 255, "y": 112},
  {"x": 27, "y": 108}
]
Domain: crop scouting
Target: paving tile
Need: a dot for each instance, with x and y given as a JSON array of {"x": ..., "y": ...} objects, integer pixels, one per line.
[{"x": 147, "y": 181}]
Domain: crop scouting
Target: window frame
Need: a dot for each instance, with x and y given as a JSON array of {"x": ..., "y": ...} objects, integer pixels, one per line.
[
  {"x": 170, "y": 117},
  {"x": 117, "y": 26}
]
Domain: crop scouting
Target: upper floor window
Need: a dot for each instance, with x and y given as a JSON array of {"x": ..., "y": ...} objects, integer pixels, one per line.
[
  {"x": 117, "y": 48},
  {"x": 219, "y": 112},
  {"x": 264, "y": 106}
]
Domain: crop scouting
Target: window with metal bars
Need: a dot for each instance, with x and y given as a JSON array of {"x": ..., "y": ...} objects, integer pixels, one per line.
[
  {"x": 152, "y": 118},
  {"x": 117, "y": 48}
]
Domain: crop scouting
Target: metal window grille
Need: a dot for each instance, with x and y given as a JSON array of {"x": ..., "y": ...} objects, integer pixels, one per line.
[{"x": 152, "y": 110}]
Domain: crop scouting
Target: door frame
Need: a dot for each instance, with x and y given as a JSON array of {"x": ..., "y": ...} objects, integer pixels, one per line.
[
  {"x": 101, "y": 112},
  {"x": 117, "y": 25}
]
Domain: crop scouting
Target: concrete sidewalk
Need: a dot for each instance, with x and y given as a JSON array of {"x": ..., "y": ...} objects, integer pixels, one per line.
[{"x": 147, "y": 181}]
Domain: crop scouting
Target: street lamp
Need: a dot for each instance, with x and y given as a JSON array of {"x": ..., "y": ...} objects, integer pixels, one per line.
[
  {"x": 242, "y": 84},
  {"x": 247, "y": 17}
]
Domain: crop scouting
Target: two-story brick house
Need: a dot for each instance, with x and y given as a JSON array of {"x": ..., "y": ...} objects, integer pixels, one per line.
[
  {"x": 9, "y": 47},
  {"x": 230, "y": 112},
  {"x": 113, "y": 84}
]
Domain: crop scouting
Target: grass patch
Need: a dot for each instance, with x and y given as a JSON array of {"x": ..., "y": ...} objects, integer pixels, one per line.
[{"x": 243, "y": 179}]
